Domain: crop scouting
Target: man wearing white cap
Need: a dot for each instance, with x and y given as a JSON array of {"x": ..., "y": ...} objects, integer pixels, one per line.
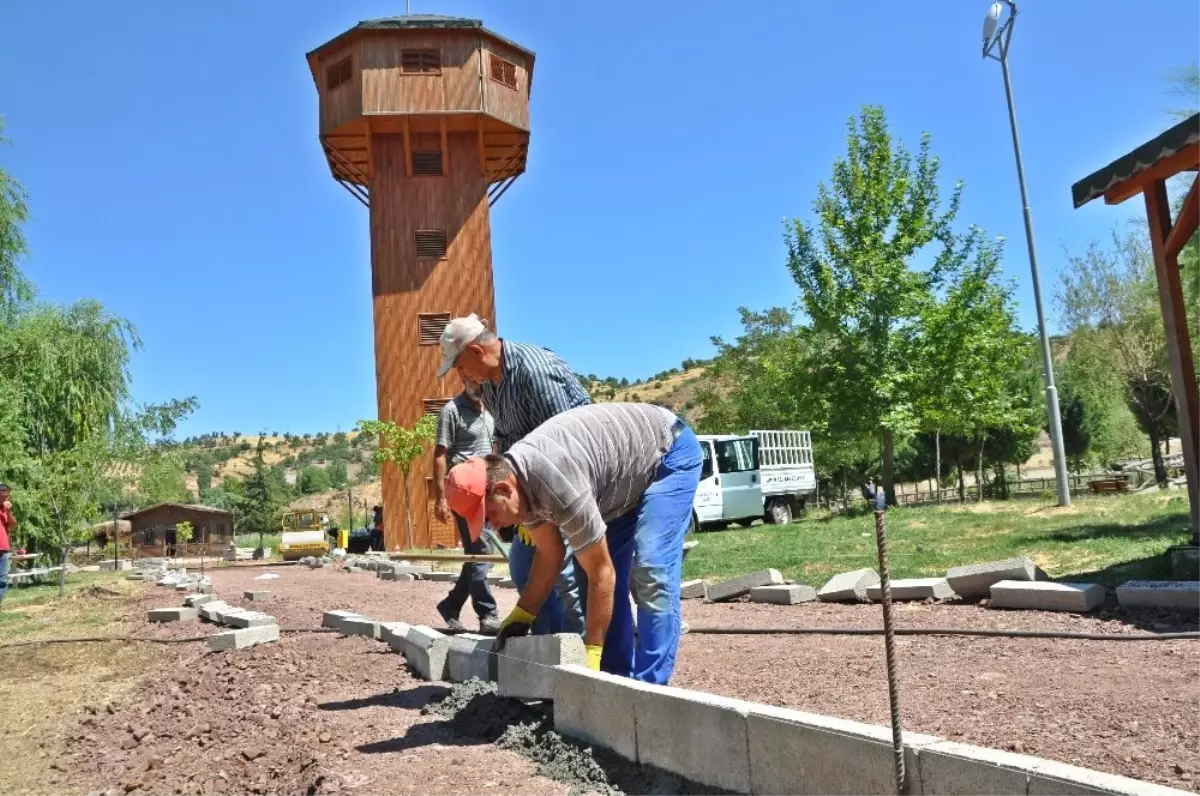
[{"x": 523, "y": 387}]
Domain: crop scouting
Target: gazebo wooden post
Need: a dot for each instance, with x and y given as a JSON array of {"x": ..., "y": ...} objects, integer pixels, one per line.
[{"x": 1166, "y": 240}]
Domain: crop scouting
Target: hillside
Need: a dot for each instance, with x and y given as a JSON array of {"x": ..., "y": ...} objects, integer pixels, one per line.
[{"x": 676, "y": 390}]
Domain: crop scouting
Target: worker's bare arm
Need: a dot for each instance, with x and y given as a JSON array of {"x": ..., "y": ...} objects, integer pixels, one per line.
[
  {"x": 549, "y": 552},
  {"x": 601, "y": 585},
  {"x": 439, "y": 479}
]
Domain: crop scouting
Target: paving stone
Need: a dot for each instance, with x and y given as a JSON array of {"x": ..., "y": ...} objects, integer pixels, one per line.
[
  {"x": 402, "y": 576},
  {"x": 361, "y": 626},
  {"x": 196, "y": 600},
  {"x": 1045, "y": 596},
  {"x": 440, "y": 577},
  {"x": 1159, "y": 594},
  {"x": 525, "y": 668},
  {"x": 172, "y": 614},
  {"x": 792, "y": 751},
  {"x": 848, "y": 586},
  {"x": 404, "y": 569},
  {"x": 784, "y": 594},
  {"x": 426, "y": 652},
  {"x": 506, "y": 583},
  {"x": 394, "y": 634},
  {"x": 205, "y": 588},
  {"x": 353, "y": 568},
  {"x": 691, "y": 589},
  {"x": 334, "y": 619},
  {"x": 246, "y": 637},
  {"x": 914, "y": 589},
  {"x": 736, "y": 587},
  {"x": 210, "y": 611},
  {"x": 974, "y": 581},
  {"x": 249, "y": 619},
  {"x": 597, "y": 708},
  {"x": 696, "y": 735},
  {"x": 468, "y": 657},
  {"x": 256, "y": 596}
]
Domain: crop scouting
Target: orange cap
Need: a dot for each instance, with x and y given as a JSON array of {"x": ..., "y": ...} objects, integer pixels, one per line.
[{"x": 466, "y": 493}]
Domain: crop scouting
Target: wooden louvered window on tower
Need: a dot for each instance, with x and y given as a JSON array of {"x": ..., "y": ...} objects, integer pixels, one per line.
[
  {"x": 427, "y": 163},
  {"x": 503, "y": 72},
  {"x": 434, "y": 405},
  {"x": 338, "y": 74},
  {"x": 420, "y": 62},
  {"x": 430, "y": 325},
  {"x": 431, "y": 244}
]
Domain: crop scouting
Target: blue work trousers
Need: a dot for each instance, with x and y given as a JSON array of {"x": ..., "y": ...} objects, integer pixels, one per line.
[
  {"x": 646, "y": 545},
  {"x": 563, "y": 610}
]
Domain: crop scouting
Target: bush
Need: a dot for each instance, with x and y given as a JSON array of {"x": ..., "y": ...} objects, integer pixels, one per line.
[
  {"x": 313, "y": 480},
  {"x": 338, "y": 475}
]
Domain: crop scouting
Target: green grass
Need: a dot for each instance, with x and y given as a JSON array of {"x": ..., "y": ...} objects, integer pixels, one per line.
[
  {"x": 1100, "y": 539},
  {"x": 28, "y": 609},
  {"x": 270, "y": 541}
]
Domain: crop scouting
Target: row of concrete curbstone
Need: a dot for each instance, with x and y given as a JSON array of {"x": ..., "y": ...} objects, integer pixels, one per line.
[{"x": 250, "y": 627}]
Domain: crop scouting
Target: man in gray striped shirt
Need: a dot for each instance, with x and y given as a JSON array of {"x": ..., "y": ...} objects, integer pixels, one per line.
[
  {"x": 614, "y": 483},
  {"x": 523, "y": 387}
]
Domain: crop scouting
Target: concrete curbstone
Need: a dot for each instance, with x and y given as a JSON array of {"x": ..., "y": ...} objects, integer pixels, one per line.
[
  {"x": 402, "y": 576},
  {"x": 597, "y": 708},
  {"x": 913, "y": 589},
  {"x": 974, "y": 581},
  {"x": 240, "y": 639},
  {"x": 196, "y": 600},
  {"x": 801, "y": 753},
  {"x": 736, "y": 587},
  {"x": 1159, "y": 594},
  {"x": 525, "y": 668},
  {"x": 787, "y": 594},
  {"x": 246, "y": 619},
  {"x": 210, "y": 611},
  {"x": 394, "y": 634},
  {"x": 172, "y": 614},
  {"x": 440, "y": 577},
  {"x": 691, "y": 590},
  {"x": 426, "y": 651},
  {"x": 256, "y": 596},
  {"x": 506, "y": 583},
  {"x": 695, "y": 735},
  {"x": 1046, "y": 596},
  {"x": 361, "y": 626},
  {"x": 333, "y": 619},
  {"x": 468, "y": 657},
  {"x": 848, "y": 586}
]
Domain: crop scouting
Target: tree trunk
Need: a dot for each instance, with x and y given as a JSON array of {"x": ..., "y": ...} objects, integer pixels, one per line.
[
  {"x": 62, "y": 572},
  {"x": 979, "y": 467},
  {"x": 889, "y": 487},
  {"x": 1160, "y": 465},
  {"x": 845, "y": 500},
  {"x": 962, "y": 486},
  {"x": 408, "y": 523},
  {"x": 937, "y": 458}
]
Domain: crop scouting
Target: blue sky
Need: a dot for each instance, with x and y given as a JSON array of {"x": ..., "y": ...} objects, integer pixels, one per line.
[{"x": 170, "y": 151}]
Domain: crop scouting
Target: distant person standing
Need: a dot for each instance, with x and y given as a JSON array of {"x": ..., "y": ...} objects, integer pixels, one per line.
[
  {"x": 377, "y": 529},
  {"x": 8, "y": 525},
  {"x": 464, "y": 430}
]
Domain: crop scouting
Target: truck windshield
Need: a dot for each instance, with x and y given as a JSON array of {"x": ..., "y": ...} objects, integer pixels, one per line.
[{"x": 706, "y": 469}]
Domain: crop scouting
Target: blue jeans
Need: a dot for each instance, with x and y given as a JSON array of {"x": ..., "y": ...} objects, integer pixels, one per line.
[
  {"x": 5, "y": 558},
  {"x": 646, "y": 544},
  {"x": 563, "y": 610}
]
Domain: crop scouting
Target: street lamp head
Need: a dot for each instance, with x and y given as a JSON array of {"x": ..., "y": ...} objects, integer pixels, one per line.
[{"x": 990, "y": 23}]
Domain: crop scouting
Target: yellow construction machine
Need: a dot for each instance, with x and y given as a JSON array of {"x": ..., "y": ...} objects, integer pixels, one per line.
[{"x": 303, "y": 535}]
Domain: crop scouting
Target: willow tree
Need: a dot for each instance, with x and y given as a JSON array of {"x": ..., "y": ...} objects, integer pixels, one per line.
[{"x": 858, "y": 283}]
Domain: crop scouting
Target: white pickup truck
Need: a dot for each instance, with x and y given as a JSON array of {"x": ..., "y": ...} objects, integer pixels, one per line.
[{"x": 764, "y": 475}]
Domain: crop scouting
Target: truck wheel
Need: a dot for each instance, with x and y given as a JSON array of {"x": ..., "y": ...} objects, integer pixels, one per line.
[
  {"x": 694, "y": 525},
  {"x": 779, "y": 512}
]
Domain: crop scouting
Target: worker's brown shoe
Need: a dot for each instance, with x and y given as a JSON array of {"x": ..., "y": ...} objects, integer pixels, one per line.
[{"x": 489, "y": 625}]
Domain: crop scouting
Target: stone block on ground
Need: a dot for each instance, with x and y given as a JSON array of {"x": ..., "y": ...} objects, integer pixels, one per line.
[
  {"x": 1176, "y": 594},
  {"x": 256, "y": 596},
  {"x": 426, "y": 652},
  {"x": 506, "y": 583},
  {"x": 1046, "y": 596},
  {"x": 205, "y": 588},
  {"x": 354, "y": 568},
  {"x": 597, "y": 708},
  {"x": 525, "y": 668},
  {"x": 333, "y": 619},
  {"x": 691, "y": 589},
  {"x": 361, "y": 626},
  {"x": 196, "y": 600},
  {"x": 249, "y": 619},
  {"x": 974, "y": 581},
  {"x": 783, "y": 594},
  {"x": 848, "y": 586},
  {"x": 736, "y": 587},
  {"x": 792, "y": 751},
  {"x": 184, "y": 588},
  {"x": 172, "y": 614},
  {"x": 695, "y": 735},
  {"x": 116, "y": 566},
  {"x": 402, "y": 576},
  {"x": 914, "y": 589},
  {"x": 394, "y": 634},
  {"x": 246, "y": 637},
  {"x": 210, "y": 611},
  {"x": 468, "y": 657},
  {"x": 440, "y": 577}
]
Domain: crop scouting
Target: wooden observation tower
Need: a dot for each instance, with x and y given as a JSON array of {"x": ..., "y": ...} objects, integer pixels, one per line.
[{"x": 425, "y": 120}]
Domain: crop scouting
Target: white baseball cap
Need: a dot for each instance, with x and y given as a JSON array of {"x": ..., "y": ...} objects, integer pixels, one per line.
[{"x": 457, "y": 335}]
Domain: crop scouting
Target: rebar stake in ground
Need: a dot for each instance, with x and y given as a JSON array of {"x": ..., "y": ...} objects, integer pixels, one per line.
[{"x": 889, "y": 637}]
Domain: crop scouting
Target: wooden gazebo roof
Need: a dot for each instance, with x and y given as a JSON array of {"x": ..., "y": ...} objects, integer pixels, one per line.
[{"x": 1167, "y": 154}]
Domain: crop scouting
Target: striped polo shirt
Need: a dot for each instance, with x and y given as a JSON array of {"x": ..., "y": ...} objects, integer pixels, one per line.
[
  {"x": 535, "y": 385},
  {"x": 587, "y": 466}
]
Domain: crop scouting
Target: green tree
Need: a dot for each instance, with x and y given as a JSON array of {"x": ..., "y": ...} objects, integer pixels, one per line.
[
  {"x": 402, "y": 446},
  {"x": 259, "y": 503},
  {"x": 1076, "y": 427},
  {"x": 162, "y": 479},
  {"x": 861, "y": 294},
  {"x": 337, "y": 473},
  {"x": 313, "y": 480}
]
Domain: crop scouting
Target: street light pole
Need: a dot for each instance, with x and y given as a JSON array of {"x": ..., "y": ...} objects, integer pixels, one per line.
[{"x": 1000, "y": 41}]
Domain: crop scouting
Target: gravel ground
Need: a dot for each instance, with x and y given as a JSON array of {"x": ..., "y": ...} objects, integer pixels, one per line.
[{"x": 318, "y": 713}]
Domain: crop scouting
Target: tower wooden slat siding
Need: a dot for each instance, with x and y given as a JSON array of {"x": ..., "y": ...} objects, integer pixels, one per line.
[{"x": 426, "y": 113}]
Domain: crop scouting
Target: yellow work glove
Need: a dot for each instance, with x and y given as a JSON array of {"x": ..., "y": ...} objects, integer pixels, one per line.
[
  {"x": 594, "y": 654},
  {"x": 524, "y": 534},
  {"x": 517, "y": 623}
]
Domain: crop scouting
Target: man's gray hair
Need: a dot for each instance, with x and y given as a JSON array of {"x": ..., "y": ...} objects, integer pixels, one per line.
[
  {"x": 486, "y": 337},
  {"x": 498, "y": 469}
]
